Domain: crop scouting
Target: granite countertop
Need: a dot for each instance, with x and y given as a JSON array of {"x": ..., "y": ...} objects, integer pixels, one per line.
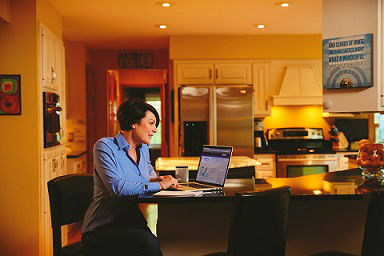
[{"x": 169, "y": 163}]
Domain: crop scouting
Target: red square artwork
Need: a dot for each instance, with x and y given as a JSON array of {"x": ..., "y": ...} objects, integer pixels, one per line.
[{"x": 10, "y": 102}]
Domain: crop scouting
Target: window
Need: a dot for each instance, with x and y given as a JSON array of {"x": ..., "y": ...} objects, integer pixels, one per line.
[{"x": 154, "y": 100}]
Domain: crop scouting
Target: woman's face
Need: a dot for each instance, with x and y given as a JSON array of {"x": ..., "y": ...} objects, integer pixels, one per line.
[{"x": 143, "y": 131}]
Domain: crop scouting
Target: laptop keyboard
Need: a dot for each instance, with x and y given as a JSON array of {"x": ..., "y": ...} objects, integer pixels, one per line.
[{"x": 195, "y": 185}]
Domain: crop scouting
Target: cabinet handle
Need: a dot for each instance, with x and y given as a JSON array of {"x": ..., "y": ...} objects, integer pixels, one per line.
[
  {"x": 217, "y": 74},
  {"x": 54, "y": 165},
  {"x": 210, "y": 73},
  {"x": 62, "y": 163},
  {"x": 54, "y": 76}
]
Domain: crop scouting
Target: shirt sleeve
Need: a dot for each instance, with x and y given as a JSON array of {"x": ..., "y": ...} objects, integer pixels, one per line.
[{"x": 113, "y": 178}]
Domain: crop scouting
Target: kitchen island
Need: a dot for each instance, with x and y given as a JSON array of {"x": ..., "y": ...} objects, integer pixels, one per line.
[
  {"x": 239, "y": 166},
  {"x": 316, "y": 222}
]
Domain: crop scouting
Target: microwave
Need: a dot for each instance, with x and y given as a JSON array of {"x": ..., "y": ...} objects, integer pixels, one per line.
[{"x": 51, "y": 112}]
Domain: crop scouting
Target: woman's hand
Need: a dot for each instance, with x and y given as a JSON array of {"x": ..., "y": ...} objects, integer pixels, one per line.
[{"x": 168, "y": 181}]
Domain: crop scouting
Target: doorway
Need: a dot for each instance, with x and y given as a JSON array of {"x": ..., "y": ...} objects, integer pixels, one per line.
[{"x": 149, "y": 85}]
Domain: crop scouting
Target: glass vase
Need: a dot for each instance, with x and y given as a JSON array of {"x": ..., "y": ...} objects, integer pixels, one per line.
[{"x": 371, "y": 161}]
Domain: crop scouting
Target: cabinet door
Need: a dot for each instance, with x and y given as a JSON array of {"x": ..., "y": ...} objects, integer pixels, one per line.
[
  {"x": 51, "y": 60},
  {"x": 233, "y": 73},
  {"x": 46, "y": 58},
  {"x": 262, "y": 89},
  {"x": 195, "y": 73},
  {"x": 267, "y": 169}
]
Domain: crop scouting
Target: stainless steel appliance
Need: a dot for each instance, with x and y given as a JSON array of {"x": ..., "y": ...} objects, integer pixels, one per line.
[
  {"x": 301, "y": 151},
  {"x": 51, "y": 111},
  {"x": 216, "y": 115}
]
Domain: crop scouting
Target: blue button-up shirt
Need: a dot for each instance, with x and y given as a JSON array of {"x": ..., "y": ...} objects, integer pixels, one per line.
[{"x": 116, "y": 175}]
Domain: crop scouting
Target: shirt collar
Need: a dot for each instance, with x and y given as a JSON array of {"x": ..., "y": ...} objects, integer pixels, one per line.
[{"x": 122, "y": 142}]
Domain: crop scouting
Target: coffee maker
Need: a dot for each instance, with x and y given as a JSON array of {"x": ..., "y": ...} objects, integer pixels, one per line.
[{"x": 260, "y": 142}]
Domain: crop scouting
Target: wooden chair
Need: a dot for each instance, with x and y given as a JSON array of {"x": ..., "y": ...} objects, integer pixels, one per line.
[
  {"x": 69, "y": 196},
  {"x": 373, "y": 241},
  {"x": 259, "y": 223}
]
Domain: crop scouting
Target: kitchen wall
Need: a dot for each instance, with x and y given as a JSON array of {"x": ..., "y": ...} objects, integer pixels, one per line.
[
  {"x": 295, "y": 116},
  {"x": 75, "y": 62},
  {"x": 5, "y": 11},
  {"x": 368, "y": 19},
  {"x": 19, "y": 135}
]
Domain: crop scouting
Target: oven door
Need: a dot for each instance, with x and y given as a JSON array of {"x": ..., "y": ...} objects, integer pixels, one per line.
[{"x": 305, "y": 164}]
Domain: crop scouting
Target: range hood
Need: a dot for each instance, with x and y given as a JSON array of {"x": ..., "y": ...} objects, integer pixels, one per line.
[{"x": 299, "y": 87}]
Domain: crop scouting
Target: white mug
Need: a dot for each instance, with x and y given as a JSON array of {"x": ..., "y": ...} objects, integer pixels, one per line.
[{"x": 181, "y": 173}]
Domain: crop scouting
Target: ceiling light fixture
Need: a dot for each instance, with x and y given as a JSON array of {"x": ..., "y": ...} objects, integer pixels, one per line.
[
  {"x": 284, "y": 4},
  {"x": 162, "y": 26},
  {"x": 165, "y": 4},
  {"x": 260, "y": 26}
]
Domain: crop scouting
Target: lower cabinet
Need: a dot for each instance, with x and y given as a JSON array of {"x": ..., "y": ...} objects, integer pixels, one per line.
[
  {"x": 53, "y": 165},
  {"x": 267, "y": 169},
  {"x": 343, "y": 161}
]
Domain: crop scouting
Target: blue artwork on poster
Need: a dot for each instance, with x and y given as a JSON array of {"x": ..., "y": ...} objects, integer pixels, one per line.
[{"x": 348, "y": 62}]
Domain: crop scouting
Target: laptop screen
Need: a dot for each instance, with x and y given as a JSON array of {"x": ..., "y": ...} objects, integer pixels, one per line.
[{"x": 213, "y": 165}]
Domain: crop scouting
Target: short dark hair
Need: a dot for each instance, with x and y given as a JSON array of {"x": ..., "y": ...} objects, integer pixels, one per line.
[{"x": 132, "y": 111}]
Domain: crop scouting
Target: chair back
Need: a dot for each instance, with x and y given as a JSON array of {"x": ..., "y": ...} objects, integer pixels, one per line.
[
  {"x": 259, "y": 223},
  {"x": 373, "y": 243},
  {"x": 69, "y": 197}
]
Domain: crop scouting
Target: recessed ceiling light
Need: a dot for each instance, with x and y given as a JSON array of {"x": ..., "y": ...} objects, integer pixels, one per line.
[
  {"x": 162, "y": 26},
  {"x": 283, "y": 4},
  {"x": 165, "y": 3},
  {"x": 260, "y": 26}
]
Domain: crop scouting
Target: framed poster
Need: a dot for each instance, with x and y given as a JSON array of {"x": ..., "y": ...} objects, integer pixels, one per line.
[
  {"x": 10, "y": 96},
  {"x": 135, "y": 59},
  {"x": 348, "y": 62}
]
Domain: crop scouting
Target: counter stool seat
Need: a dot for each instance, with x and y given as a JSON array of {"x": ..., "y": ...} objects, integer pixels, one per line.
[{"x": 69, "y": 197}]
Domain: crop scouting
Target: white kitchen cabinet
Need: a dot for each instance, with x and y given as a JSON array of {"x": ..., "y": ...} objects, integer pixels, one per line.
[
  {"x": 213, "y": 72},
  {"x": 194, "y": 73},
  {"x": 51, "y": 61},
  {"x": 77, "y": 164},
  {"x": 262, "y": 89},
  {"x": 342, "y": 161},
  {"x": 267, "y": 169},
  {"x": 53, "y": 165},
  {"x": 233, "y": 73}
]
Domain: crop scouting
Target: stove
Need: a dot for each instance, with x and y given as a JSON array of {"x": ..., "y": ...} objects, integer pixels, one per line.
[
  {"x": 301, "y": 151},
  {"x": 298, "y": 141}
]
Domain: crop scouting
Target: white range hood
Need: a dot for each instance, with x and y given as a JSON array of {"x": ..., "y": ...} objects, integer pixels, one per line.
[{"x": 299, "y": 87}]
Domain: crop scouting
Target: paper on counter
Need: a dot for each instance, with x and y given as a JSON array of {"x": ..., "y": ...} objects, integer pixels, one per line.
[{"x": 165, "y": 193}]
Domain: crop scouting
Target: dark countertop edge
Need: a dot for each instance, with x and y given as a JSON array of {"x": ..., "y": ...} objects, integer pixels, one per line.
[
  {"x": 76, "y": 155},
  {"x": 211, "y": 198},
  {"x": 333, "y": 151}
]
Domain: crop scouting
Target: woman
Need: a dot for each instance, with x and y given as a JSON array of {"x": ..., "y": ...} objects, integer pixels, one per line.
[{"x": 113, "y": 223}]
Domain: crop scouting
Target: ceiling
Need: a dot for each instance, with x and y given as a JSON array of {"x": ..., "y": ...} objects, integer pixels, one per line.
[{"x": 130, "y": 24}]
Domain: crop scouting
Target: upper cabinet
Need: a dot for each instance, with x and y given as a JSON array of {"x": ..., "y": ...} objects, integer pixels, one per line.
[
  {"x": 51, "y": 61},
  {"x": 262, "y": 89},
  {"x": 213, "y": 72}
]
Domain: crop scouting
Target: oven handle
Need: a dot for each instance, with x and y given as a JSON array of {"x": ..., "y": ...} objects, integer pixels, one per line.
[{"x": 307, "y": 159}]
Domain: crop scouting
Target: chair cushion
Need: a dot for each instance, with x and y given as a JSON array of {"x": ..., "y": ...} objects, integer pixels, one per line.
[{"x": 74, "y": 249}]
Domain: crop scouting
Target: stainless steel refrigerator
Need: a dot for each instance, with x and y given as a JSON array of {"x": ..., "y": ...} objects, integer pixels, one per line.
[{"x": 216, "y": 115}]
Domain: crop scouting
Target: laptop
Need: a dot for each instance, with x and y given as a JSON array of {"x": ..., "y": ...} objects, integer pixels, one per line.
[{"x": 212, "y": 170}]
